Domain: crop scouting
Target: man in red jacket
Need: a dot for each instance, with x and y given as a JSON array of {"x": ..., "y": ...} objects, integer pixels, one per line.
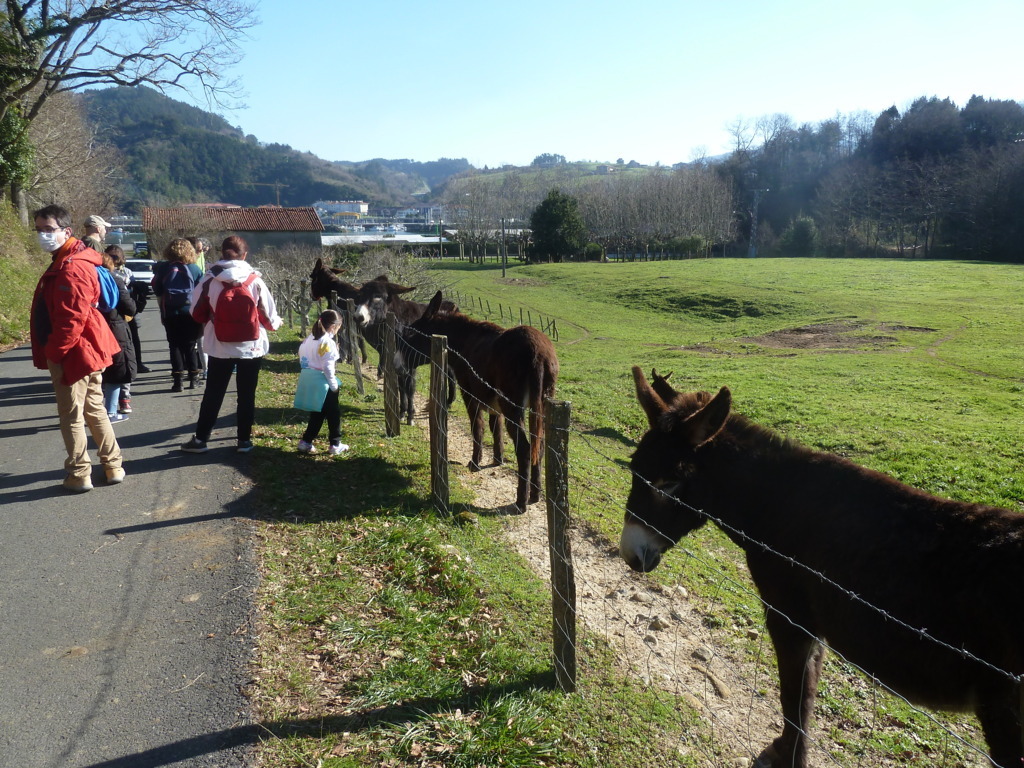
[{"x": 72, "y": 340}]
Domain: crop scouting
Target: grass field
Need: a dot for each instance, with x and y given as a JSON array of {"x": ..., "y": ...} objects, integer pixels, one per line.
[{"x": 393, "y": 637}]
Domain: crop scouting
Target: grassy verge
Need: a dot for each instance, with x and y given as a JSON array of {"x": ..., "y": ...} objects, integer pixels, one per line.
[
  {"x": 394, "y": 637},
  {"x": 21, "y": 264}
]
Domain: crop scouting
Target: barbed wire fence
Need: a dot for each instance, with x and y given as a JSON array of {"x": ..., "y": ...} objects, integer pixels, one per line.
[{"x": 719, "y": 678}]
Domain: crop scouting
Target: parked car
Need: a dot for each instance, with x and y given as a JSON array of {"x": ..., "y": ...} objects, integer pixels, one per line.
[{"x": 142, "y": 273}]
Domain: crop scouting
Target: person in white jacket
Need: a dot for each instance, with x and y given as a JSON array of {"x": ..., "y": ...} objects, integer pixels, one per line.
[
  {"x": 319, "y": 352},
  {"x": 226, "y": 354}
]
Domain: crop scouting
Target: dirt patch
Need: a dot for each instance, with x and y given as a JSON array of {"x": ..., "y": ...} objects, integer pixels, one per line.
[
  {"x": 835, "y": 336},
  {"x": 521, "y": 281},
  {"x": 844, "y": 335}
]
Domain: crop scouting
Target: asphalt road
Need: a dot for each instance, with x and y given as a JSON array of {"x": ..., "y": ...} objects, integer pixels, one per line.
[{"x": 125, "y": 612}]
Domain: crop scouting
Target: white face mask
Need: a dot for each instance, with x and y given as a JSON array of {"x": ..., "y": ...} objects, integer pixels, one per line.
[{"x": 48, "y": 241}]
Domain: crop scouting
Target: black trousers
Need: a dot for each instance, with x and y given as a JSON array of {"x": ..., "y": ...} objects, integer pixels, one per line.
[
  {"x": 133, "y": 326},
  {"x": 182, "y": 332},
  {"x": 218, "y": 376},
  {"x": 331, "y": 412}
]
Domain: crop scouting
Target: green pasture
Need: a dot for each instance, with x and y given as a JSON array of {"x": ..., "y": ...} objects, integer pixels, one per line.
[{"x": 396, "y": 637}]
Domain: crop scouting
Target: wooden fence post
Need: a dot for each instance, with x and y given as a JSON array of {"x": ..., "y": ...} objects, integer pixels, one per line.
[
  {"x": 563, "y": 582},
  {"x": 291, "y": 300},
  {"x": 392, "y": 427},
  {"x": 439, "y": 486},
  {"x": 353, "y": 342}
]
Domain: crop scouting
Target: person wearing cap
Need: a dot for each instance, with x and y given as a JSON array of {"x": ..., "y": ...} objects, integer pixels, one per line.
[{"x": 95, "y": 231}]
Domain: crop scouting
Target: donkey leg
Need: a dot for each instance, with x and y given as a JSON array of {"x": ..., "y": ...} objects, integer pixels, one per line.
[
  {"x": 535, "y": 450},
  {"x": 498, "y": 433},
  {"x": 1000, "y": 720},
  {"x": 476, "y": 424},
  {"x": 517, "y": 431},
  {"x": 800, "y": 657},
  {"x": 453, "y": 386},
  {"x": 408, "y": 384}
]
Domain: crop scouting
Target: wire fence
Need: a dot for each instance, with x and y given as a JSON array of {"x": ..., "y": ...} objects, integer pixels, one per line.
[
  {"x": 505, "y": 314},
  {"x": 728, "y": 676},
  {"x": 690, "y": 653}
]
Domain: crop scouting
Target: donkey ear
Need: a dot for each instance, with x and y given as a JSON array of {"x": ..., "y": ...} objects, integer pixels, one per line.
[
  {"x": 660, "y": 385},
  {"x": 708, "y": 421},
  {"x": 338, "y": 271},
  {"x": 395, "y": 289},
  {"x": 652, "y": 404},
  {"x": 319, "y": 264},
  {"x": 433, "y": 306}
]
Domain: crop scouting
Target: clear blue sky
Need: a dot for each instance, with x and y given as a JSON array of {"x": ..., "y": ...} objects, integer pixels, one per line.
[{"x": 645, "y": 80}]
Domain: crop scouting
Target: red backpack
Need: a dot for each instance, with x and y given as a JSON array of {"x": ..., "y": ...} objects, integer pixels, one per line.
[{"x": 236, "y": 316}]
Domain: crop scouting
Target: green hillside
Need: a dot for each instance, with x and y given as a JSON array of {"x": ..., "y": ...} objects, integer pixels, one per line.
[{"x": 176, "y": 153}]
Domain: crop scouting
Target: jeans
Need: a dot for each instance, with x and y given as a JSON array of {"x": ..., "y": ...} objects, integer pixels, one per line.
[
  {"x": 218, "y": 376},
  {"x": 111, "y": 393}
]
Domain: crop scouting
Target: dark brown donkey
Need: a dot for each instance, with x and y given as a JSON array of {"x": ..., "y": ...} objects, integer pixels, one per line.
[
  {"x": 923, "y": 593},
  {"x": 499, "y": 372},
  {"x": 376, "y": 299},
  {"x": 323, "y": 280}
]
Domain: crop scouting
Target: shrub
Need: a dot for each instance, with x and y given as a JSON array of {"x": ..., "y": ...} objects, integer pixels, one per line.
[{"x": 799, "y": 239}]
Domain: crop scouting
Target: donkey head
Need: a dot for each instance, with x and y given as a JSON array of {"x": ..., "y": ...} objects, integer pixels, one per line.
[
  {"x": 324, "y": 279},
  {"x": 666, "y": 482},
  {"x": 375, "y": 298}
]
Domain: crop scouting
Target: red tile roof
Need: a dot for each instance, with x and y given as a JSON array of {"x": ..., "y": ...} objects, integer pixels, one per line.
[{"x": 269, "y": 219}]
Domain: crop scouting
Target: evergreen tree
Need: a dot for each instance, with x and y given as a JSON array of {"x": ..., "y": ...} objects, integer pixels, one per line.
[{"x": 558, "y": 230}]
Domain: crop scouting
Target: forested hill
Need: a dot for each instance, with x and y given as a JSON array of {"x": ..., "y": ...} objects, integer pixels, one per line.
[{"x": 176, "y": 153}]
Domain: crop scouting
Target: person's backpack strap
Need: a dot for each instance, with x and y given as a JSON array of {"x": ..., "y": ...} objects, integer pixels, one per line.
[{"x": 202, "y": 311}]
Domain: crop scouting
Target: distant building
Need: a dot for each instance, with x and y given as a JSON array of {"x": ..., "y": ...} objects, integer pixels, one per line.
[
  {"x": 262, "y": 228},
  {"x": 342, "y": 206}
]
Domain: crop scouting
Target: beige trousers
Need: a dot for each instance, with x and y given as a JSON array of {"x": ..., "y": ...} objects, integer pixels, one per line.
[{"x": 79, "y": 405}]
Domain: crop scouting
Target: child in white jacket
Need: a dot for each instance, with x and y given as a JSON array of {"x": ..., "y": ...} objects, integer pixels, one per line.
[{"x": 320, "y": 352}]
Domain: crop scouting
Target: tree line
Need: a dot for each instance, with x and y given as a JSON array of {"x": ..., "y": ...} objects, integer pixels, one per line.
[{"x": 933, "y": 181}]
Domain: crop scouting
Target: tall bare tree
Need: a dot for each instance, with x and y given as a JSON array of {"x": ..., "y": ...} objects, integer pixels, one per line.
[
  {"x": 48, "y": 48},
  {"x": 70, "y": 165}
]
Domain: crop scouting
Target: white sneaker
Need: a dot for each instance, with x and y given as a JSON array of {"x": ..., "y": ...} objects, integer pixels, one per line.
[
  {"x": 337, "y": 449},
  {"x": 305, "y": 447}
]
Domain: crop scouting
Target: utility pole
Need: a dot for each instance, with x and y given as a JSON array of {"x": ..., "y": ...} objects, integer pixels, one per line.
[
  {"x": 752, "y": 252},
  {"x": 504, "y": 248}
]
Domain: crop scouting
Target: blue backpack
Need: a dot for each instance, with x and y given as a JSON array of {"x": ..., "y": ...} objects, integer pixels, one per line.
[
  {"x": 177, "y": 284},
  {"x": 109, "y": 294}
]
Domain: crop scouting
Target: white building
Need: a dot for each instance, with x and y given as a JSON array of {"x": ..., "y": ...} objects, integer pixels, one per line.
[{"x": 342, "y": 206}]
